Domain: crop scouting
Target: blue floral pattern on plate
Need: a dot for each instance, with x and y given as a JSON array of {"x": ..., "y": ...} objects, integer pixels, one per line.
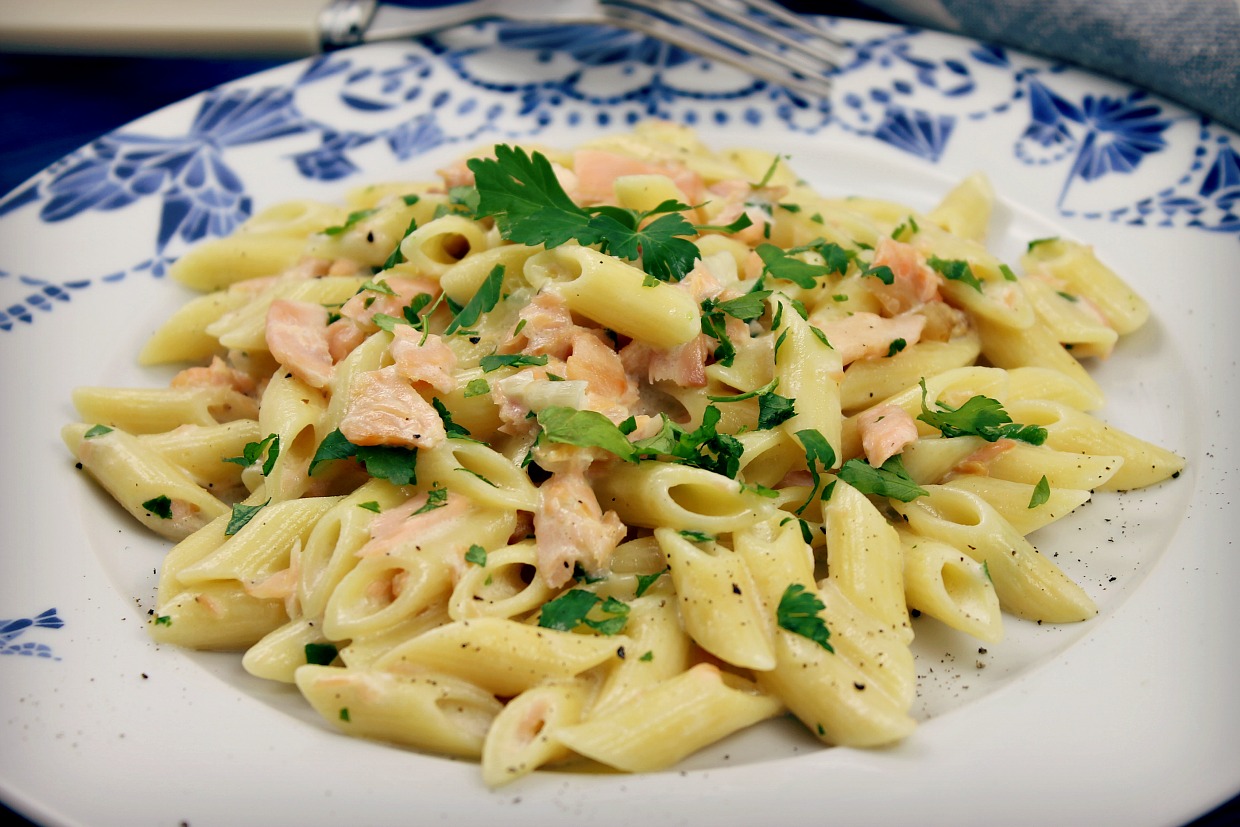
[{"x": 922, "y": 93}]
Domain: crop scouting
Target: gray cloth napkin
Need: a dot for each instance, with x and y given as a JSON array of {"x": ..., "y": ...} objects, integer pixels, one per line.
[{"x": 1185, "y": 50}]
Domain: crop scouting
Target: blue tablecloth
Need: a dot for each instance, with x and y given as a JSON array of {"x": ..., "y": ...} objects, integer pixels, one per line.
[{"x": 51, "y": 105}]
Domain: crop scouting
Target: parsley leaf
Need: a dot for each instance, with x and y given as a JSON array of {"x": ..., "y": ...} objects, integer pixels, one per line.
[
  {"x": 889, "y": 480},
  {"x": 451, "y": 428},
  {"x": 703, "y": 447},
  {"x": 774, "y": 409},
  {"x": 253, "y": 450},
  {"x": 350, "y": 220},
  {"x": 980, "y": 416},
  {"x": 476, "y": 555},
  {"x": 477, "y": 387},
  {"x": 395, "y": 464},
  {"x": 321, "y": 654},
  {"x": 955, "y": 270},
  {"x": 817, "y": 452},
  {"x": 782, "y": 265},
  {"x": 571, "y": 609},
  {"x": 522, "y": 193},
  {"x": 645, "y": 581},
  {"x": 1041, "y": 492},
  {"x": 160, "y": 506},
  {"x": 798, "y": 612},
  {"x": 588, "y": 429},
  {"x": 495, "y": 361},
  {"x": 96, "y": 430},
  {"x": 482, "y": 302},
  {"x": 371, "y": 505},
  {"x": 435, "y": 498},
  {"x": 241, "y": 515}
]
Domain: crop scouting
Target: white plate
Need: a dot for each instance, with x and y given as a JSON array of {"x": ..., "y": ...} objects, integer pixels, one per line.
[{"x": 1129, "y": 718}]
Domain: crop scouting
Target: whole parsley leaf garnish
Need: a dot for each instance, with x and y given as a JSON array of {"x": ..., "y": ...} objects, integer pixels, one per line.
[
  {"x": 572, "y": 609},
  {"x": 798, "y": 612},
  {"x": 522, "y": 193},
  {"x": 980, "y": 416},
  {"x": 889, "y": 480}
]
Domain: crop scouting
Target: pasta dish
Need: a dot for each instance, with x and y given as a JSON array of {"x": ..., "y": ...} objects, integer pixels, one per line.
[{"x": 599, "y": 456}]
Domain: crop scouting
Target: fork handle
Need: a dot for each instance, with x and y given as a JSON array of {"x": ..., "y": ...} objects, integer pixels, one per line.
[{"x": 275, "y": 28}]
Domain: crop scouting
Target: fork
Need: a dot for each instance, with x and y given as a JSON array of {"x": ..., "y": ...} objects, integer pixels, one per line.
[
  {"x": 748, "y": 34},
  {"x": 759, "y": 36}
]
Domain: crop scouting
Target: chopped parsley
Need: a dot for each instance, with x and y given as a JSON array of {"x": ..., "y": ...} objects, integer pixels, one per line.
[
  {"x": 477, "y": 387},
  {"x": 350, "y": 220},
  {"x": 817, "y": 452},
  {"x": 437, "y": 497},
  {"x": 896, "y": 346},
  {"x": 587, "y": 429},
  {"x": 1041, "y": 492},
  {"x": 476, "y": 555},
  {"x": 980, "y": 416},
  {"x": 495, "y": 361},
  {"x": 482, "y": 302},
  {"x": 370, "y": 505},
  {"x": 798, "y": 612},
  {"x": 252, "y": 451},
  {"x": 241, "y": 515},
  {"x": 574, "y": 607},
  {"x": 160, "y": 506},
  {"x": 645, "y": 581},
  {"x": 320, "y": 654},
  {"x": 97, "y": 430},
  {"x": 888, "y": 480},
  {"x": 393, "y": 463},
  {"x": 955, "y": 270}
]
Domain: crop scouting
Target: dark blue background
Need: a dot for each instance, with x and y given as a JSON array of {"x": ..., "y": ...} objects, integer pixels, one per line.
[{"x": 51, "y": 105}]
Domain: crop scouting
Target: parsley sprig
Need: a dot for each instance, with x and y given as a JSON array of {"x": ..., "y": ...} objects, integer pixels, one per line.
[{"x": 798, "y": 612}]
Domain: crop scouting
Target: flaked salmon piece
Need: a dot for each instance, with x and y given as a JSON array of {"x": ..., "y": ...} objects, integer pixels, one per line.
[
  {"x": 570, "y": 528},
  {"x": 978, "y": 462},
  {"x": 403, "y": 524},
  {"x": 684, "y": 365},
  {"x": 218, "y": 374},
  {"x": 609, "y": 389},
  {"x": 885, "y": 431},
  {"x": 868, "y": 335},
  {"x": 547, "y": 326},
  {"x": 343, "y": 335},
  {"x": 914, "y": 283},
  {"x": 597, "y": 171},
  {"x": 737, "y": 197},
  {"x": 365, "y": 305},
  {"x": 297, "y": 337},
  {"x": 384, "y": 409},
  {"x": 457, "y": 174},
  {"x": 423, "y": 358},
  {"x": 532, "y": 389},
  {"x": 281, "y": 585}
]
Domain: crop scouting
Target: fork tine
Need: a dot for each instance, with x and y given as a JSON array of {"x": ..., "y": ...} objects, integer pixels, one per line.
[
  {"x": 775, "y": 11},
  {"x": 657, "y": 20}
]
